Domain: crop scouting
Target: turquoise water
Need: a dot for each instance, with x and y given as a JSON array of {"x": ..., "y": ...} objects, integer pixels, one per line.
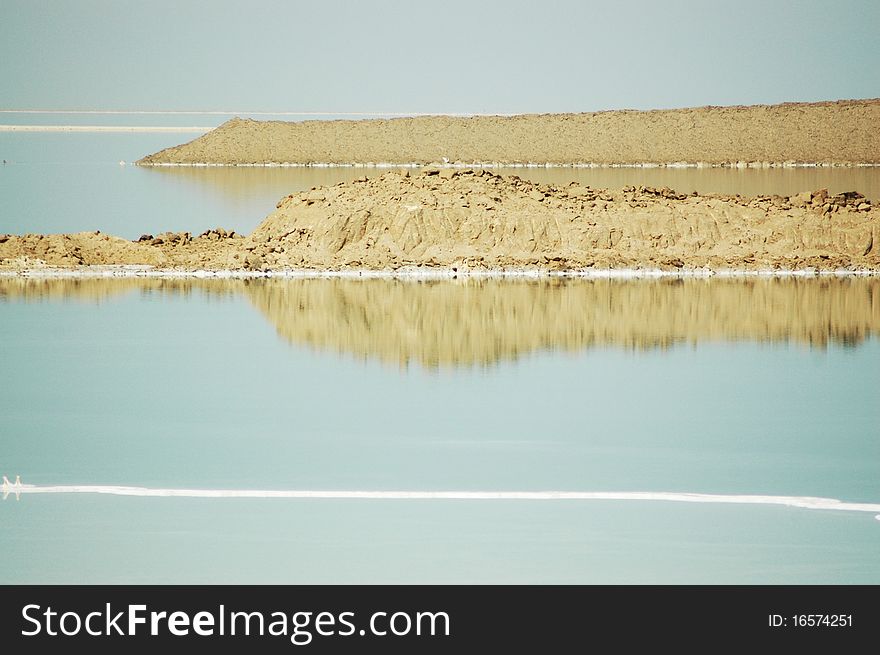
[
  {"x": 186, "y": 387},
  {"x": 714, "y": 387},
  {"x": 72, "y": 182},
  {"x": 142, "y": 540}
]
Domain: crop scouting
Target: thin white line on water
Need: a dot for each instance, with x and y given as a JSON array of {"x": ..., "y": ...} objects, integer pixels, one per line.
[
  {"x": 804, "y": 502},
  {"x": 241, "y": 112},
  {"x": 101, "y": 128}
]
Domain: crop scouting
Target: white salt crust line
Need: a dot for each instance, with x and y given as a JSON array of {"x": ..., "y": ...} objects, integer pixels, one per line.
[
  {"x": 802, "y": 502},
  {"x": 462, "y": 165},
  {"x": 241, "y": 112},
  {"x": 100, "y": 128},
  {"x": 416, "y": 273}
]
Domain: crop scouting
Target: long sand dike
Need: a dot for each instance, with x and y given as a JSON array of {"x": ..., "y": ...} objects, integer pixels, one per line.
[
  {"x": 843, "y": 132},
  {"x": 473, "y": 220}
]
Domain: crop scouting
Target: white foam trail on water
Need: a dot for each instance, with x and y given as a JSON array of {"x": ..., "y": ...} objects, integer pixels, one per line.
[{"x": 803, "y": 502}]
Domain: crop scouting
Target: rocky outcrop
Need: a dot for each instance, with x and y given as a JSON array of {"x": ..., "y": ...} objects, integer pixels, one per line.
[{"x": 473, "y": 219}]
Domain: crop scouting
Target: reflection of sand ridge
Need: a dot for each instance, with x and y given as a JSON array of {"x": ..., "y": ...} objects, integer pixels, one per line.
[
  {"x": 270, "y": 183},
  {"x": 273, "y": 183},
  {"x": 98, "y": 290},
  {"x": 482, "y": 322}
]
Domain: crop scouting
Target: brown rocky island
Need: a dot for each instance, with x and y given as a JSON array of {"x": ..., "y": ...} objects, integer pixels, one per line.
[{"x": 473, "y": 219}]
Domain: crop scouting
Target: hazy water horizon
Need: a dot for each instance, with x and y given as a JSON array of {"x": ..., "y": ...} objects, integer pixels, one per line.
[{"x": 55, "y": 182}]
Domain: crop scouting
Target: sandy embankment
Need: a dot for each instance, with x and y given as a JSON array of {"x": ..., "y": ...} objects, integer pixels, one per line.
[
  {"x": 843, "y": 132},
  {"x": 480, "y": 322},
  {"x": 467, "y": 220}
]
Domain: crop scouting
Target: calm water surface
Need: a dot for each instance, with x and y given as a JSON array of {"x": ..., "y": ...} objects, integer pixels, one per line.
[
  {"x": 580, "y": 386},
  {"x": 699, "y": 386},
  {"x": 72, "y": 182}
]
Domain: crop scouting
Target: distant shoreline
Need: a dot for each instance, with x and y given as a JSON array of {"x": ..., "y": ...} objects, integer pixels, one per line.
[
  {"x": 490, "y": 165},
  {"x": 842, "y": 132}
]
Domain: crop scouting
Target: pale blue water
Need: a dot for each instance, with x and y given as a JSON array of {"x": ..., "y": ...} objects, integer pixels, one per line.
[
  {"x": 72, "y": 182},
  {"x": 193, "y": 390},
  {"x": 194, "y": 386},
  {"x": 190, "y": 389},
  {"x": 141, "y": 540}
]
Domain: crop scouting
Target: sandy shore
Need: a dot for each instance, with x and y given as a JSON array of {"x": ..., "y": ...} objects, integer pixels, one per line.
[
  {"x": 843, "y": 132},
  {"x": 475, "y": 220}
]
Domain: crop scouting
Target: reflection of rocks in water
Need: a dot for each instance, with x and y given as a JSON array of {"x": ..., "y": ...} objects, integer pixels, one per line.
[
  {"x": 98, "y": 290},
  {"x": 480, "y": 322},
  {"x": 242, "y": 183},
  {"x": 486, "y": 321}
]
